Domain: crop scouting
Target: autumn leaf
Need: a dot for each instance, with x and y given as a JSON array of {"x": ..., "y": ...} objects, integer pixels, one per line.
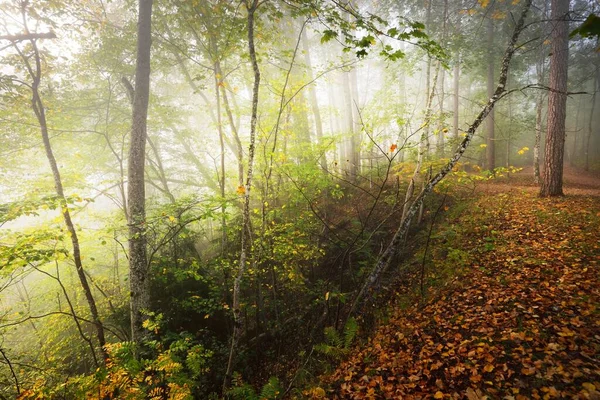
[
  {"x": 241, "y": 190},
  {"x": 393, "y": 148}
]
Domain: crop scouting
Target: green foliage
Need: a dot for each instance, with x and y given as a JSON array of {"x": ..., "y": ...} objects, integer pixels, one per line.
[
  {"x": 337, "y": 345},
  {"x": 272, "y": 390},
  {"x": 589, "y": 28}
]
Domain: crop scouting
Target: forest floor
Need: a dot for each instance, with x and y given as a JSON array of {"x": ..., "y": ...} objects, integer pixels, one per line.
[{"x": 518, "y": 318}]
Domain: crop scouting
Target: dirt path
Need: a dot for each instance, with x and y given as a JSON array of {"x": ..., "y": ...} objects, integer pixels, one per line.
[
  {"x": 576, "y": 182},
  {"x": 521, "y": 321}
]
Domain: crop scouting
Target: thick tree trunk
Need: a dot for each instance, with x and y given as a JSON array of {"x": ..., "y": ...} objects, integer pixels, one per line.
[
  {"x": 490, "y": 151},
  {"x": 139, "y": 279},
  {"x": 557, "y": 101}
]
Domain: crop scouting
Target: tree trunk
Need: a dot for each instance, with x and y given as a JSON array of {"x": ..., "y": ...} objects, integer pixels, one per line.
[
  {"x": 218, "y": 84},
  {"x": 138, "y": 260},
  {"x": 314, "y": 104},
  {"x": 40, "y": 112},
  {"x": 440, "y": 130},
  {"x": 557, "y": 101},
  {"x": 538, "y": 138},
  {"x": 591, "y": 120},
  {"x": 456, "y": 83},
  {"x": 238, "y": 326},
  {"x": 490, "y": 151}
]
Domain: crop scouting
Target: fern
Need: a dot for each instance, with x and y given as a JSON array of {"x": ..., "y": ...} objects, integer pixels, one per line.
[
  {"x": 272, "y": 389},
  {"x": 337, "y": 345},
  {"x": 350, "y": 331}
]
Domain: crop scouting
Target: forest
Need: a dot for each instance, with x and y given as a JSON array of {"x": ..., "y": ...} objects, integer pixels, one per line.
[{"x": 301, "y": 199}]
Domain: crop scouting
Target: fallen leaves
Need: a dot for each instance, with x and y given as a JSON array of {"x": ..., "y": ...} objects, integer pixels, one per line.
[{"x": 523, "y": 323}]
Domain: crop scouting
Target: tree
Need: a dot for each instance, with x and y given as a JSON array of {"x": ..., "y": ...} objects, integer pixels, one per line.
[
  {"x": 385, "y": 259},
  {"x": 136, "y": 203},
  {"x": 557, "y": 101},
  {"x": 32, "y": 62}
]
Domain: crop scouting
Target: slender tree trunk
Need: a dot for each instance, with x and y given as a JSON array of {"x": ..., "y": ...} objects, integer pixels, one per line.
[
  {"x": 557, "y": 101},
  {"x": 356, "y": 131},
  {"x": 538, "y": 138},
  {"x": 440, "y": 130},
  {"x": 490, "y": 150},
  {"x": 218, "y": 84},
  {"x": 40, "y": 112},
  {"x": 139, "y": 279},
  {"x": 349, "y": 150},
  {"x": 312, "y": 93},
  {"x": 591, "y": 119},
  {"x": 238, "y": 327},
  {"x": 456, "y": 83},
  {"x": 575, "y": 134}
]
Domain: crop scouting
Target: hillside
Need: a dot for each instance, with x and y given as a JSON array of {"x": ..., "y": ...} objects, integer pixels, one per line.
[{"x": 519, "y": 319}]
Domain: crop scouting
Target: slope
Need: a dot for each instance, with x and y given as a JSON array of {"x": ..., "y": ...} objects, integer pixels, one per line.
[{"x": 521, "y": 318}]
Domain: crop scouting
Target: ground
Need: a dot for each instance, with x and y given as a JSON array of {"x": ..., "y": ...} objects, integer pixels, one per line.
[{"x": 520, "y": 318}]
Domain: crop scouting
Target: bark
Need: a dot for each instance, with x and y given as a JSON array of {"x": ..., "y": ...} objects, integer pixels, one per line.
[
  {"x": 238, "y": 327},
  {"x": 35, "y": 72},
  {"x": 138, "y": 259},
  {"x": 557, "y": 101},
  {"x": 398, "y": 238},
  {"x": 490, "y": 150}
]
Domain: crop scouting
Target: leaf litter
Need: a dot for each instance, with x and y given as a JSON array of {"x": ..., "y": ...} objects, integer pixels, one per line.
[{"x": 522, "y": 322}]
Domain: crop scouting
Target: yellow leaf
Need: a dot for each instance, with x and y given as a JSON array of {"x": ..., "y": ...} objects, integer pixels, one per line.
[
  {"x": 590, "y": 387},
  {"x": 483, "y": 145},
  {"x": 488, "y": 368},
  {"x": 241, "y": 190},
  {"x": 326, "y": 296},
  {"x": 484, "y": 3},
  {"x": 438, "y": 395}
]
